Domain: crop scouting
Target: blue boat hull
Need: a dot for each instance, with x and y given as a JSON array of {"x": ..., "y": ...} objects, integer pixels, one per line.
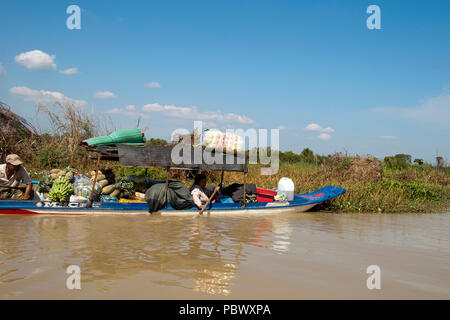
[{"x": 301, "y": 203}]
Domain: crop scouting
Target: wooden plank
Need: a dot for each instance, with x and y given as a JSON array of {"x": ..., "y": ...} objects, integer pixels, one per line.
[
  {"x": 106, "y": 153},
  {"x": 245, "y": 189},
  {"x": 199, "y": 158},
  {"x": 91, "y": 196}
]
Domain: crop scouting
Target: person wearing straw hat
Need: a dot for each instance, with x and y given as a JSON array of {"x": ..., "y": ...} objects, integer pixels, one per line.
[{"x": 15, "y": 182}]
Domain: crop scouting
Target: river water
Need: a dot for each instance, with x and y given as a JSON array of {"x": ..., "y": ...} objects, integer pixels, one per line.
[{"x": 290, "y": 256}]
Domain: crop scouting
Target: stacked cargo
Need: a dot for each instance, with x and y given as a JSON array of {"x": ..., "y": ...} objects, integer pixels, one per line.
[
  {"x": 223, "y": 141},
  {"x": 66, "y": 185}
]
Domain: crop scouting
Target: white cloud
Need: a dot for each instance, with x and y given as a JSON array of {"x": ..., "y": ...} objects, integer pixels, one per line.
[
  {"x": 104, "y": 95},
  {"x": 313, "y": 127},
  {"x": 129, "y": 111},
  {"x": 281, "y": 127},
  {"x": 3, "y": 72},
  {"x": 36, "y": 60},
  {"x": 153, "y": 85},
  {"x": 388, "y": 137},
  {"x": 44, "y": 96},
  {"x": 316, "y": 127},
  {"x": 433, "y": 111},
  {"x": 324, "y": 136},
  {"x": 69, "y": 71},
  {"x": 194, "y": 113}
]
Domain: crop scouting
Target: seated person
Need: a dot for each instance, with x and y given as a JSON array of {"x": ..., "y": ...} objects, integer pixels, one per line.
[
  {"x": 11, "y": 174},
  {"x": 199, "y": 192}
]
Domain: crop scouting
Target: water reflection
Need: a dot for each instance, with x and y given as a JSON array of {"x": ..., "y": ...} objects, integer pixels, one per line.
[{"x": 201, "y": 253}]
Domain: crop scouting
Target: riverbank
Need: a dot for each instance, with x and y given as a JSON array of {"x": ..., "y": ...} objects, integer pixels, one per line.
[{"x": 371, "y": 187}]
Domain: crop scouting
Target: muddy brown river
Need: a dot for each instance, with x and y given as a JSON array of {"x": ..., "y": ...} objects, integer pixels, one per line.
[{"x": 290, "y": 256}]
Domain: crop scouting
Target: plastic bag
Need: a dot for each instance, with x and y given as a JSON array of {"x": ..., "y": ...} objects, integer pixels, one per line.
[
  {"x": 280, "y": 197},
  {"x": 40, "y": 195},
  {"x": 108, "y": 199},
  {"x": 74, "y": 198},
  {"x": 83, "y": 186},
  {"x": 224, "y": 141}
]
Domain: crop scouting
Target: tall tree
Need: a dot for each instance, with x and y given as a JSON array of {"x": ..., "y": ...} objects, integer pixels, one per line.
[{"x": 307, "y": 155}]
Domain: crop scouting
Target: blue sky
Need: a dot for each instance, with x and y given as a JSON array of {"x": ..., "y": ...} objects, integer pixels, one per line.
[{"x": 242, "y": 64}]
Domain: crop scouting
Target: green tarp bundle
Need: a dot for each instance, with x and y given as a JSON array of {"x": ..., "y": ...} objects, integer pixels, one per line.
[
  {"x": 127, "y": 136},
  {"x": 176, "y": 194}
]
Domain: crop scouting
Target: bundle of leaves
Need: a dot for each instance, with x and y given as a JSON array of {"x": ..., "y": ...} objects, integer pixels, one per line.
[
  {"x": 70, "y": 169},
  {"x": 125, "y": 186},
  {"x": 45, "y": 184}
]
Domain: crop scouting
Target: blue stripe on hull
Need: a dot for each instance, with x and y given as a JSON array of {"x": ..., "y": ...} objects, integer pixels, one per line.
[{"x": 318, "y": 196}]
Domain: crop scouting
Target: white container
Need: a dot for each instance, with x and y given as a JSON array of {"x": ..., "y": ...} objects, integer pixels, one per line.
[{"x": 286, "y": 186}]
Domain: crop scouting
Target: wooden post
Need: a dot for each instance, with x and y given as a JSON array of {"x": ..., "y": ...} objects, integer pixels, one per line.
[
  {"x": 91, "y": 196},
  {"x": 245, "y": 187},
  {"x": 221, "y": 180},
  {"x": 167, "y": 177},
  {"x": 167, "y": 182}
]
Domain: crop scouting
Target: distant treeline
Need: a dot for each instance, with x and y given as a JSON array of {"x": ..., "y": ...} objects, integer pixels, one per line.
[{"x": 307, "y": 156}]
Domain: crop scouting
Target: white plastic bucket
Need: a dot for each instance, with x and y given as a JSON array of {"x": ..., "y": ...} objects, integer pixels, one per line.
[{"x": 286, "y": 186}]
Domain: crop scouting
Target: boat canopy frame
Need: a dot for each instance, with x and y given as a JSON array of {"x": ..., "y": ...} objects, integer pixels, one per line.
[{"x": 199, "y": 158}]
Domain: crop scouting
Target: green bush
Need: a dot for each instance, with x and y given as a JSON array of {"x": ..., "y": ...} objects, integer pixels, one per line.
[
  {"x": 50, "y": 156},
  {"x": 157, "y": 142},
  {"x": 153, "y": 173},
  {"x": 290, "y": 157},
  {"x": 307, "y": 155},
  {"x": 420, "y": 190},
  {"x": 398, "y": 162}
]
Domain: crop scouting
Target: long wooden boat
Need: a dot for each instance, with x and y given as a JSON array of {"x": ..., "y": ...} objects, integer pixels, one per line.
[
  {"x": 161, "y": 156},
  {"x": 301, "y": 203}
]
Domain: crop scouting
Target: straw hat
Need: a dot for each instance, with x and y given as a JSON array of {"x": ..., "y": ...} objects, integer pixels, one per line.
[{"x": 14, "y": 159}]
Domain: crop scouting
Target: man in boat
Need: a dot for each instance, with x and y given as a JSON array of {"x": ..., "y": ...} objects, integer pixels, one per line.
[{"x": 15, "y": 182}]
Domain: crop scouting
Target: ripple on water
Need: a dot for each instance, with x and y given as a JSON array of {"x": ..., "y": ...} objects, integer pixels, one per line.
[{"x": 203, "y": 254}]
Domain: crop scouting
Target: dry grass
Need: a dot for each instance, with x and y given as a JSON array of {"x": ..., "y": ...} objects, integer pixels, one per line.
[
  {"x": 17, "y": 135},
  {"x": 54, "y": 148},
  {"x": 370, "y": 187},
  {"x": 70, "y": 125}
]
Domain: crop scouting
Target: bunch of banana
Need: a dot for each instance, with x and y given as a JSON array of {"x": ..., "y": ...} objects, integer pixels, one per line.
[{"x": 61, "y": 190}]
